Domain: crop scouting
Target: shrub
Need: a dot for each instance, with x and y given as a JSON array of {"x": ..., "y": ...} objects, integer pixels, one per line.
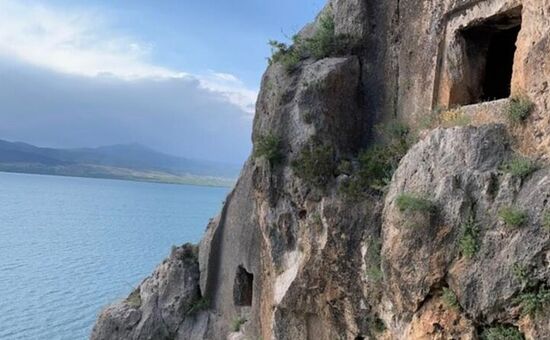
[
  {"x": 534, "y": 302},
  {"x": 469, "y": 239},
  {"x": 316, "y": 164},
  {"x": 237, "y": 323},
  {"x": 412, "y": 203},
  {"x": 521, "y": 273},
  {"x": 546, "y": 220},
  {"x": 377, "y": 325},
  {"x": 134, "y": 300},
  {"x": 519, "y": 166},
  {"x": 269, "y": 147},
  {"x": 519, "y": 109},
  {"x": 198, "y": 305},
  {"x": 513, "y": 217},
  {"x": 377, "y": 164},
  {"x": 324, "y": 41},
  {"x": 374, "y": 259},
  {"x": 501, "y": 332},
  {"x": 449, "y": 298},
  {"x": 288, "y": 56}
]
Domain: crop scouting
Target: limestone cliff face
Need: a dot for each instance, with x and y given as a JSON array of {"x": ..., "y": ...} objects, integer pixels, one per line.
[{"x": 316, "y": 242}]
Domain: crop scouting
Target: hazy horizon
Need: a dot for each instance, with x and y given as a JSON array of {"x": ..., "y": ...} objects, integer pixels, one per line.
[{"x": 78, "y": 74}]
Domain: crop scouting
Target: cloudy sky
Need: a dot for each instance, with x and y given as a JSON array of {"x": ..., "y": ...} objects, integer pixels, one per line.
[{"x": 180, "y": 76}]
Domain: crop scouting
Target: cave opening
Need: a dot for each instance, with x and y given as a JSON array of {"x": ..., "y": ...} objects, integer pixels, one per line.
[
  {"x": 488, "y": 48},
  {"x": 243, "y": 287}
]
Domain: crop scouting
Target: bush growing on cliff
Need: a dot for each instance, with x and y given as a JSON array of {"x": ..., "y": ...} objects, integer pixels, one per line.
[
  {"x": 534, "y": 302},
  {"x": 519, "y": 109},
  {"x": 324, "y": 42},
  {"x": 316, "y": 164},
  {"x": 198, "y": 305},
  {"x": 469, "y": 239},
  {"x": 413, "y": 203},
  {"x": 501, "y": 332},
  {"x": 288, "y": 56},
  {"x": 237, "y": 324},
  {"x": 513, "y": 217},
  {"x": 269, "y": 147},
  {"x": 377, "y": 164},
  {"x": 449, "y": 298},
  {"x": 519, "y": 166}
]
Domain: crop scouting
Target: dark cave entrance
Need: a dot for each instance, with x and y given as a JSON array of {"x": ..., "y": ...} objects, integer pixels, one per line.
[
  {"x": 243, "y": 287},
  {"x": 488, "y": 47}
]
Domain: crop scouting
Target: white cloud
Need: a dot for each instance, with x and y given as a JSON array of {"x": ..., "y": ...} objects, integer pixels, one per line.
[{"x": 79, "y": 42}]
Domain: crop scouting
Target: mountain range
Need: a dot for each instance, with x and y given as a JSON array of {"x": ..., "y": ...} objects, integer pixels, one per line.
[{"x": 122, "y": 161}]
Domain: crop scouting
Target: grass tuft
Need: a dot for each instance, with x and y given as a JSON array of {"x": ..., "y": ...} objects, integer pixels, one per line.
[
  {"x": 501, "y": 332},
  {"x": 413, "y": 203},
  {"x": 316, "y": 165},
  {"x": 513, "y": 217},
  {"x": 519, "y": 109},
  {"x": 519, "y": 166},
  {"x": 449, "y": 298},
  {"x": 237, "y": 324},
  {"x": 534, "y": 302},
  {"x": 269, "y": 147},
  {"x": 469, "y": 240}
]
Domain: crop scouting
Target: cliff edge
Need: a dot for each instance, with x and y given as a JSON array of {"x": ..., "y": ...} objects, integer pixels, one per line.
[{"x": 398, "y": 188}]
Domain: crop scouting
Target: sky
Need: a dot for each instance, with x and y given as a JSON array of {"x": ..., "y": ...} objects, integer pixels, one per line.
[{"x": 179, "y": 76}]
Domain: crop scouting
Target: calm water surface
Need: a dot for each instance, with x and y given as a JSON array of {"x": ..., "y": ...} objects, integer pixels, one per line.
[{"x": 69, "y": 246}]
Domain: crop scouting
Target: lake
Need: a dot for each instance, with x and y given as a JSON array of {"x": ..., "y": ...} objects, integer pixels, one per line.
[{"x": 70, "y": 246}]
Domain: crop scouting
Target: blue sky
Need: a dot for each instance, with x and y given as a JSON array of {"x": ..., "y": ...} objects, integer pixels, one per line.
[{"x": 178, "y": 76}]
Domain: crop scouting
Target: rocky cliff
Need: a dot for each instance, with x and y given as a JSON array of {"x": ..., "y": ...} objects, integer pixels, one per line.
[{"x": 398, "y": 188}]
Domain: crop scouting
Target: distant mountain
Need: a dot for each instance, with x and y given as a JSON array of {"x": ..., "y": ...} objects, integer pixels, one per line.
[{"x": 124, "y": 161}]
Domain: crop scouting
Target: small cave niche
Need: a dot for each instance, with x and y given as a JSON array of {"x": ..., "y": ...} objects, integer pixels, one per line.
[
  {"x": 243, "y": 287},
  {"x": 487, "y": 59}
]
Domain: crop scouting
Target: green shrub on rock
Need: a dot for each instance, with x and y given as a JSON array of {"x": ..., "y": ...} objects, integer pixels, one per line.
[
  {"x": 519, "y": 166},
  {"x": 501, "y": 332},
  {"x": 469, "y": 239},
  {"x": 513, "y": 217},
  {"x": 269, "y": 147},
  {"x": 519, "y": 109},
  {"x": 413, "y": 203},
  {"x": 316, "y": 164}
]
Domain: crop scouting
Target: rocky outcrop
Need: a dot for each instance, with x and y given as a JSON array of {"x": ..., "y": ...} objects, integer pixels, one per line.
[
  {"x": 327, "y": 235},
  {"x": 166, "y": 305}
]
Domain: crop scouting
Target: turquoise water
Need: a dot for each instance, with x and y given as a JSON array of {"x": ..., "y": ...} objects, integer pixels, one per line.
[{"x": 69, "y": 246}]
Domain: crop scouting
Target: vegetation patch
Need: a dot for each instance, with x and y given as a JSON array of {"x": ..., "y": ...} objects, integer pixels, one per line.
[
  {"x": 519, "y": 166},
  {"x": 324, "y": 43},
  {"x": 237, "y": 324},
  {"x": 501, "y": 332},
  {"x": 534, "y": 302},
  {"x": 377, "y": 325},
  {"x": 270, "y": 148},
  {"x": 134, "y": 300},
  {"x": 288, "y": 56},
  {"x": 519, "y": 109},
  {"x": 198, "y": 305},
  {"x": 454, "y": 117},
  {"x": 513, "y": 217},
  {"x": 469, "y": 240},
  {"x": 413, "y": 203},
  {"x": 316, "y": 165},
  {"x": 521, "y": 273},
  {"x": 377, "y": 164},
  {"x": 449, "y": 298},
  {"x": 374, "y": 273}
]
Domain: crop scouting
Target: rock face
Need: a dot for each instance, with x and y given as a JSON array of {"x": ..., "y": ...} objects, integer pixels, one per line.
[{"x": 319, "y": 241}]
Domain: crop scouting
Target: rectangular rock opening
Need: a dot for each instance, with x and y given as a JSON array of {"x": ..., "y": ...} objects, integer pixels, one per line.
[
  {"x": 243, "y": 287},
  {"x": 488, "y": 49}
]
